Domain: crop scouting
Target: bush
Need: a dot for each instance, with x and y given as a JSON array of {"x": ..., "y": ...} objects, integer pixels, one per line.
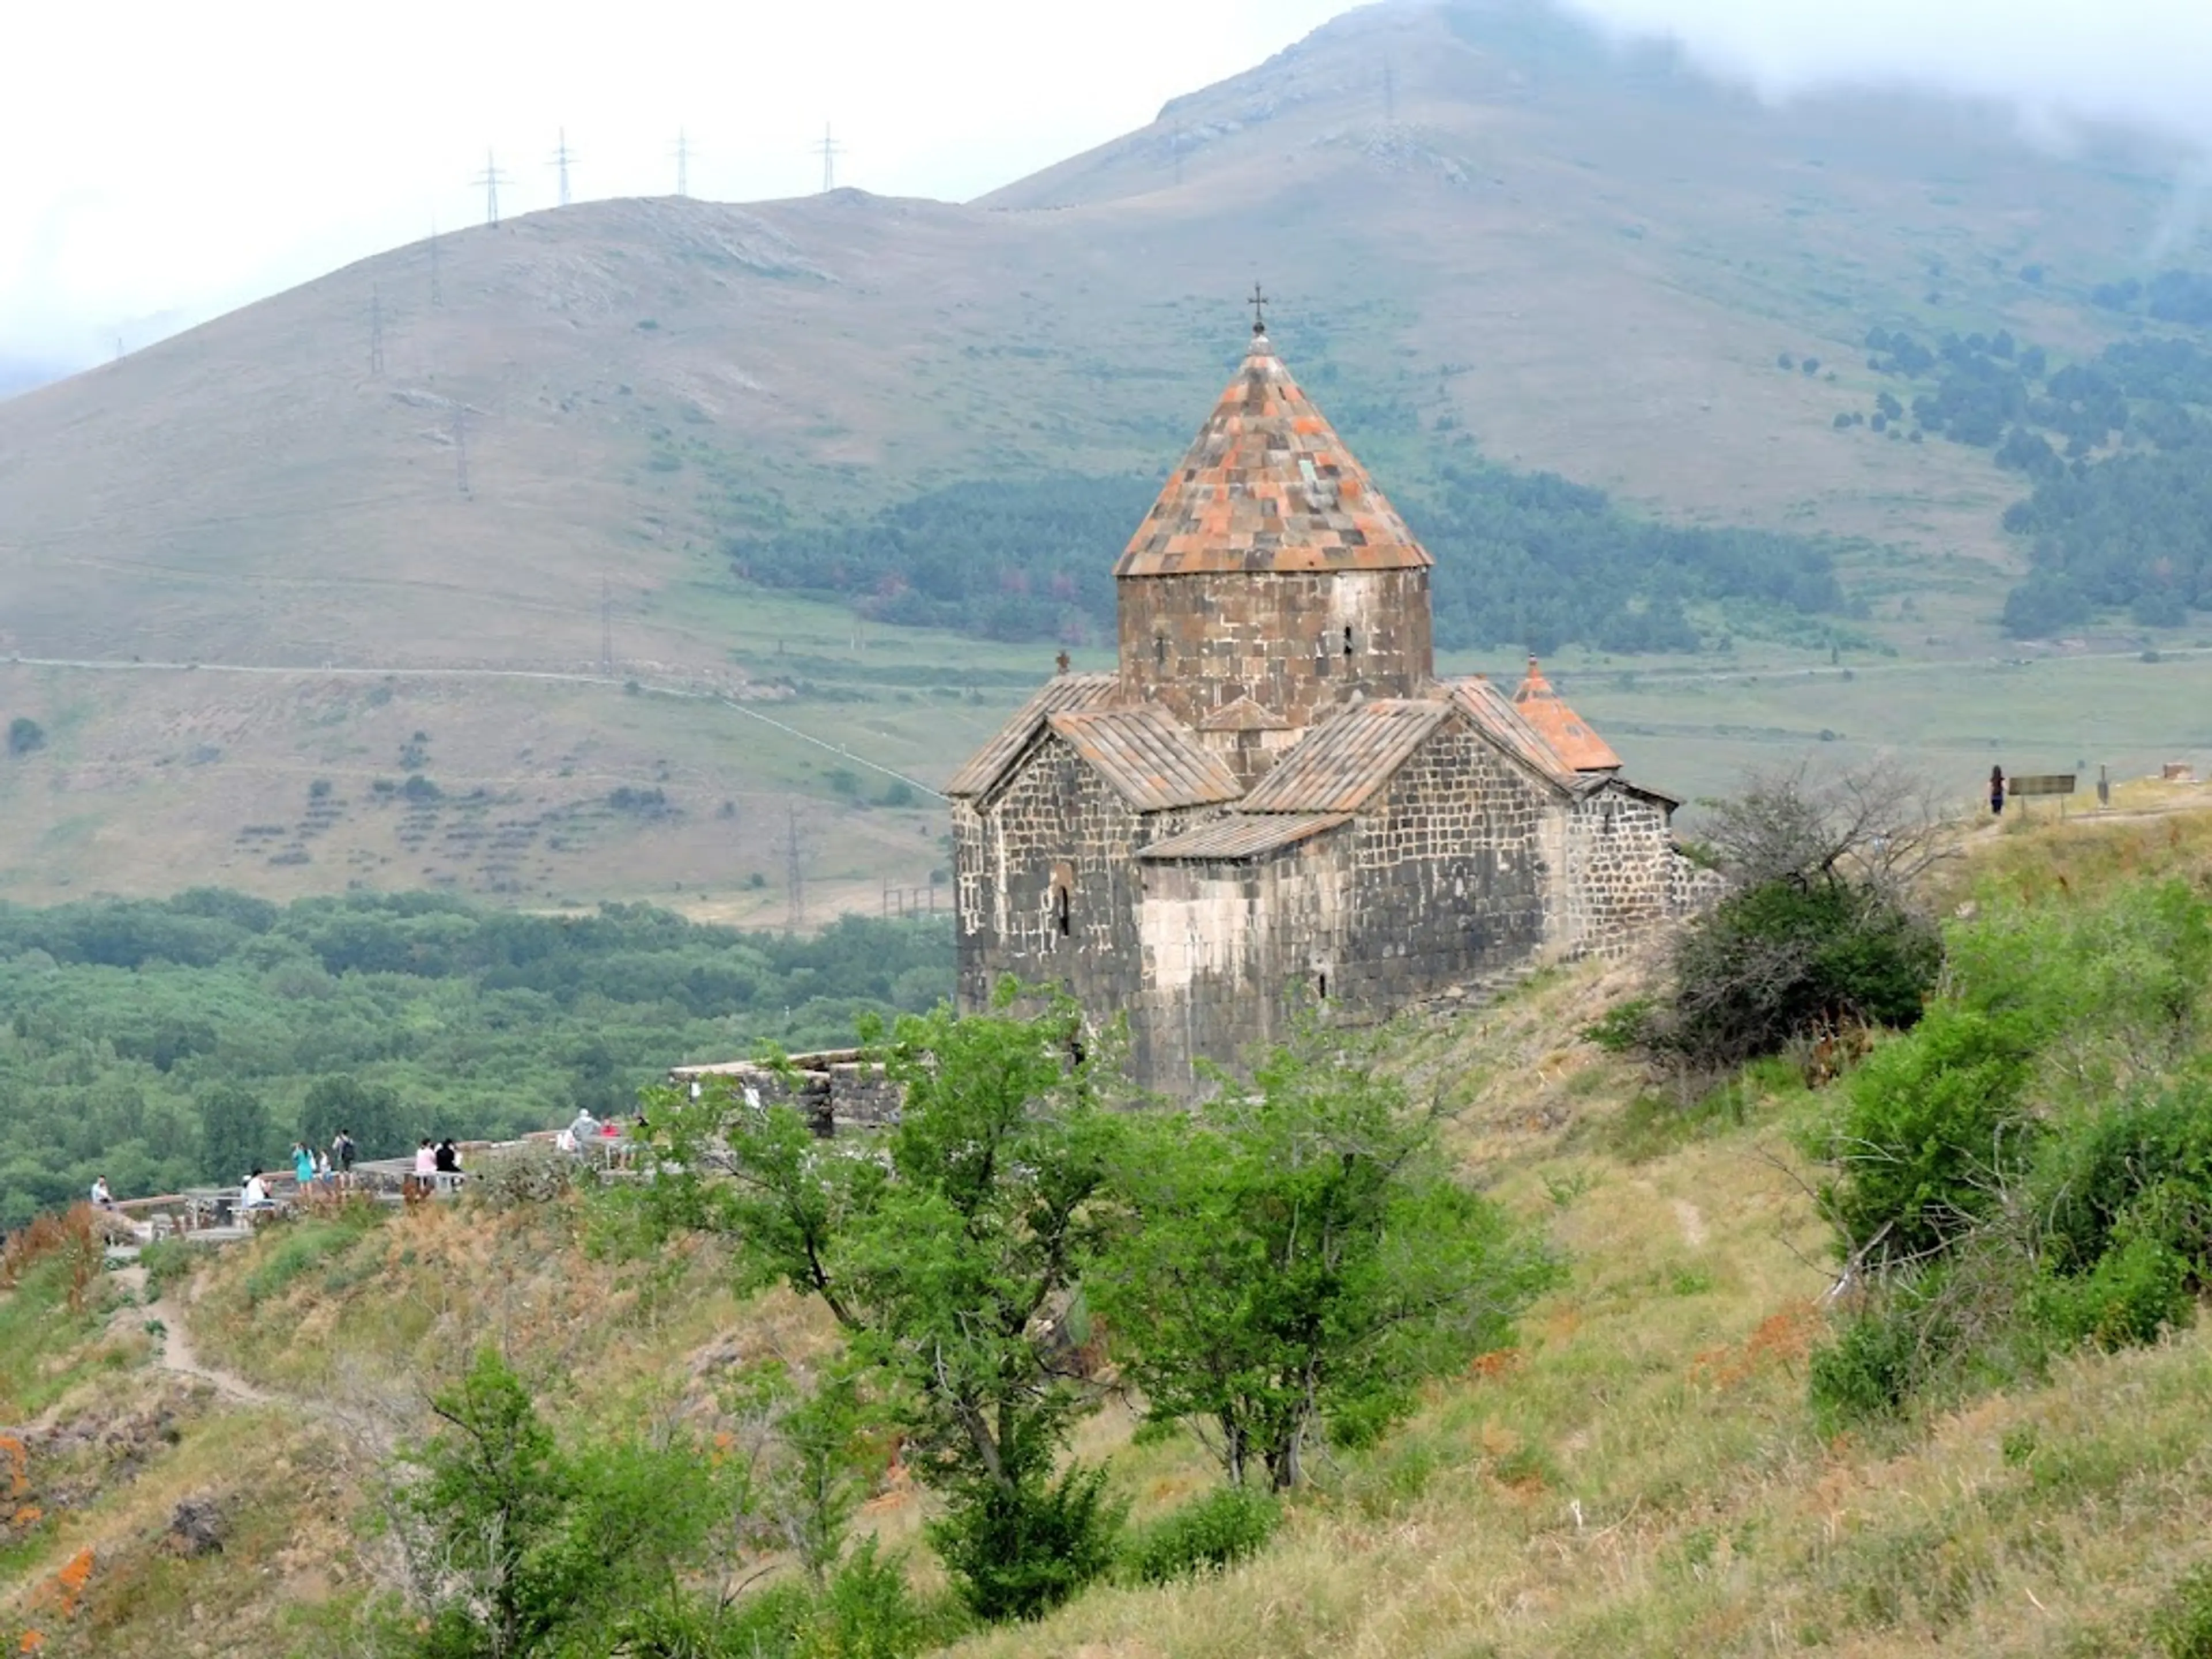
[
  {"x": 1931, "y": 1130},
  {"x": 1791, "y": 957},
  {"x": 2182, "y": 1628},
  {"x": 1019, "y": 1552},
  {"x": 2126, "y": 1301},
  {"x": 1226, "y": 1526},
  {"x": 24, "y": 735}
]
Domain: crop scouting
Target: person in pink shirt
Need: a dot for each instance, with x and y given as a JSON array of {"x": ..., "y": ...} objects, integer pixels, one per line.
[{"x": 426, "y": 1160}]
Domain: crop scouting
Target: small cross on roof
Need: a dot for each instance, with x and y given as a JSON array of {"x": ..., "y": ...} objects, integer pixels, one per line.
[{"x": 1259, "y": 304}]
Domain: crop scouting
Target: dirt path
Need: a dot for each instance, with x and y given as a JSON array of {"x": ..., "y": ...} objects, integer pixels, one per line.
[{"x": 173, "y": 1348}]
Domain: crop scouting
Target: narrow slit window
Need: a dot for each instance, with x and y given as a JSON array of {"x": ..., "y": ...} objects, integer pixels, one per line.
[
  {"x": 1060, "y": 919},
  {"x": 1347, "y": 641},
  {"x": 1160, "y": 650},
  {"x": 1321, "y": 983}
]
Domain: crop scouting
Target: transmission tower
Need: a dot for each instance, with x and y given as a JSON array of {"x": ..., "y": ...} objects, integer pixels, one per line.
[
  {"x": 795, "y": 879},
  {"x": 562, "y": 156},
  {"x": 606, "y": 629},
  {"x": 682, "y": 153},
  {"x": 491, "y": 179},
  {"x": 831, "y": 149},
  {"x": 437, "y": 293},
  {"x": 461, "y": 446},
  {"x": 375, "y": 329}
]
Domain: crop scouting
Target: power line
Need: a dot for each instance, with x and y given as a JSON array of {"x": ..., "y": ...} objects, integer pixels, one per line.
[
  {"x": 682, "y": 153},
  {"x": 491, "y": 179},
  {"x": 562, "y": 156},
  {"x": 375, "y": 329},
  {"x": 831, "y": 149}
]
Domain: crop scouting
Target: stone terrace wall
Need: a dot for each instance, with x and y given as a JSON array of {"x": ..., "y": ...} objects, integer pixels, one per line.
[{"x": 1618, "y": 875}]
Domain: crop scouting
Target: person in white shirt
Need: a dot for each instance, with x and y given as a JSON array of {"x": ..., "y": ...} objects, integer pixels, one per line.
[
  {"x": 101, "y": 1200},
  {"x": 426, "y": 1160},
  {"x": 254, "y": 1194}
]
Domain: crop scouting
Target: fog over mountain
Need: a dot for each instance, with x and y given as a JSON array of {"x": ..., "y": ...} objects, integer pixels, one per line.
[{"x": 243, "y": 147}]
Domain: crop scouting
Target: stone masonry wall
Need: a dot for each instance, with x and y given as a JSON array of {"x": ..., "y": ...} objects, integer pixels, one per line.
[
  {"x": 1231, "y": 949},
  {"x": 1054, "y": 825},
  {"x": 1196, "y": 643},
  {"x": 1450, "y": 876},
  {"x": 1616, "y": 880}
]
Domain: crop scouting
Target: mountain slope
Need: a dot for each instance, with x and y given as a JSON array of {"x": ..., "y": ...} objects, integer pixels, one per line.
[{"x": 1480, "y": 224}]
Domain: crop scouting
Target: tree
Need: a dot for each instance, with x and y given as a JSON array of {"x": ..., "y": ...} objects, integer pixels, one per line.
[
  {"x": 518, "y": 1547},
  {"x": 235, "y": 1133},
  {"x": 369, "y": 1109},
  {"x": 946, "y": 1252},
  {"x": 1818, "y": 929},
  {"x": 1299, "y": 1257}
]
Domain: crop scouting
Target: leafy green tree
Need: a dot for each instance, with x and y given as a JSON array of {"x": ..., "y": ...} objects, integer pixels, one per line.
[
  {"x": 1301, "y": 1258},
  {"x": 371, "y": 1110},
  {"x": 945, "y": 1252},
  {"x": 235, "y": 1132},
  {"x": 522, "y": 1548}
]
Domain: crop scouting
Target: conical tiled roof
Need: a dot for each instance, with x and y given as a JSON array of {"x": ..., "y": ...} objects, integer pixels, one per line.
[
  {"x": 1269, "y": 486},
  {"x": 1567, "y": 732}
]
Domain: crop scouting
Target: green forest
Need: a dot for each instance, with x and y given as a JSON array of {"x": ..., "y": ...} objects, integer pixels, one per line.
[
  {"x": 1523, "y": 559},
  {"x": 166, "y": 1043},
  {"x": 2115, "y": 450}
]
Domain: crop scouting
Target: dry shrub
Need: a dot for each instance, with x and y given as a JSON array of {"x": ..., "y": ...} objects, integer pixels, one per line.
[{"x": 75, "y": 1236}]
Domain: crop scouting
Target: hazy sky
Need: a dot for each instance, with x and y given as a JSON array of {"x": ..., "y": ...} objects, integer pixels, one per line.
[{"x": 170, "y": 161}]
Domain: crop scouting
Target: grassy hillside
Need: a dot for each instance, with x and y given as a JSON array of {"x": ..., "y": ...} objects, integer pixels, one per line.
[
  {"x": 1642, "y": 1473},
  {"x": 1534, "y": 251}
]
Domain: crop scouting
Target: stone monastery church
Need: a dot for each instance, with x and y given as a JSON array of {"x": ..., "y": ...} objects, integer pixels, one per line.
[{"x": 1274, "y": 799}]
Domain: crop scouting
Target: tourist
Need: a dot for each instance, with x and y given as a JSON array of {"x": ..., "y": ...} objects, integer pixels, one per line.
[
  {"x": 342, "y": 1154},
  {"x": 101, "y": 1198},
  {"x": 584, "y": 1128},
  {"x": 448, "y": 1158},
  {"x": 303, "y": 1168},
  {"x": 322, "y": 1170},
  {"x": 253, "y": 1194},
  {"x": 426, "y": 1160},
  {"x": 1997, "y": 791}
]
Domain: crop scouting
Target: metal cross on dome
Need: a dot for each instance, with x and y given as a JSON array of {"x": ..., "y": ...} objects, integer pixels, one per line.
[{"x": 1259, "y": 304}]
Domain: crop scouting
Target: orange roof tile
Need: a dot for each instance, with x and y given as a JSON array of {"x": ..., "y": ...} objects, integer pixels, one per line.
[
  {"x": 1268, "y": 486},
  {"x": 1567, "y": 733},
  {"x": 1497, "y": 718}
]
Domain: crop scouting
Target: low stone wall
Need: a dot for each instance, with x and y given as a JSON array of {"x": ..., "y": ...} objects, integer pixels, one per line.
[{"x": 834, "y": 1091}]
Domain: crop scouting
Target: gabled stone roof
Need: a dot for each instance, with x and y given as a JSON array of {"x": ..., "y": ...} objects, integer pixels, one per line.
[
  {"x": 1568, "y": 733},
  {"x": 1268, "y": 487},
  {"x": 1240, "y": 835},
  {"x": 1497, "y": 718},
  {"x": 1152, "y": 762},
  {"x": 1065, "y": 692},
  {"x": 1347, "y": 757},
  {"x": 1243, "y": 715}
]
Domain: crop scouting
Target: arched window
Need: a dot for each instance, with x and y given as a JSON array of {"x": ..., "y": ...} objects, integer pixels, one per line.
[
  {"x": 1160, "y": 650},
  {"x": 1321, "y": 984},
  {"x": 1060, "y": 919}
]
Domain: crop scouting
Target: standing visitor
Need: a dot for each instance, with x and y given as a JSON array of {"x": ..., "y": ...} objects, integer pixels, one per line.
[
  {"x": 342, "y": 1156},
  {"x": 1996, "y": 790},
  {"x": 426, "y": 1160},
  {"x": 303, "y": 1168},
  {"x": 448, "y": 1158},
  {"x": 322, "y": 1169}
]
